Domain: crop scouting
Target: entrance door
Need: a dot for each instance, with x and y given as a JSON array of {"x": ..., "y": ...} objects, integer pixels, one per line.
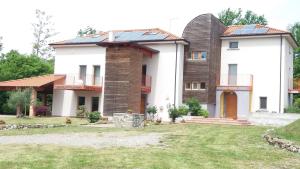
[
  {"x": 143, "y": 103},
  {"x": 232, "y": 74},
  {"x": 231, "y": 105}
]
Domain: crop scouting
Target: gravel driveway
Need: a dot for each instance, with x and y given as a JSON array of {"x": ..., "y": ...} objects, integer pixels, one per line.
[{"x": 95, "y": 140}]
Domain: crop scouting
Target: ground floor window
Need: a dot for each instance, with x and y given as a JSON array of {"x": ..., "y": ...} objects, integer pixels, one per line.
[
  {"x": 95, "y": 103},
  {"x": 81, "y": 101},
  {"x": 263, "y": 102}
]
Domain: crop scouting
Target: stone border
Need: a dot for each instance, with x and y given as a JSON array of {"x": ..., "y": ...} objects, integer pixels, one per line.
[
  {"x": 281, "y": 143},
  {"x": 28, "y": 126}
]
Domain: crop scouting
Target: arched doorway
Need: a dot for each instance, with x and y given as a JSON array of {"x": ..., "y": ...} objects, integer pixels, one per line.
[{"x": 230, "y": 104}]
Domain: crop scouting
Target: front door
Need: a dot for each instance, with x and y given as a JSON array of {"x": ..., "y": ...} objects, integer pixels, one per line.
[
  {"x": 232, "y": 74},
  {"x": 143, "y": 103},
  {"x": 231, "y": 105}
]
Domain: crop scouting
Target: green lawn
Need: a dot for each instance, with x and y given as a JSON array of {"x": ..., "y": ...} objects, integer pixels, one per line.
[
  {"x": 290, "y": 132},
  {"x": 189, "y": 146}
]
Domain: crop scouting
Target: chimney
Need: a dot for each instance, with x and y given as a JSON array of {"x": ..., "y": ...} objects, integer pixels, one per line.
[{"x": 111, "y": 36}]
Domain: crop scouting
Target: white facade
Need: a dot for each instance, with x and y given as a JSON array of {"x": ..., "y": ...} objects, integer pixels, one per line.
[
  {"x": 67, "y": 61},
  {"x": 270, "y": 62},
  {"x": 161, "y": 67}
]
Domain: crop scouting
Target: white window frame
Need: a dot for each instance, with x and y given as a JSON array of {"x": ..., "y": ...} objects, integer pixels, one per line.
[
  {"x": 190, "y": 57},
  {"x": 185, "y": 86},
  {"x": 229, "y": 45}
]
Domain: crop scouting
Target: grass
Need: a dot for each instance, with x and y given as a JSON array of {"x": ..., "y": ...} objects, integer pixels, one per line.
[
  {"x": 290, "y": 132},
  {"x": 42, "y": 120},
  {"x": 189, "y": 146}
]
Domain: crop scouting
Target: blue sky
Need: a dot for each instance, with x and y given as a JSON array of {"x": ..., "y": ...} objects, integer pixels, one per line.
[{"x": 16, "y": 16}]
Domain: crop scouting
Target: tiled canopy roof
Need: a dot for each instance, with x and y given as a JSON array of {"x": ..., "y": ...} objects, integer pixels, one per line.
[
  {"x": 37, "y": 81},
  {"x": 257, "y": 29},
  {"x": 134, "y": 35}
]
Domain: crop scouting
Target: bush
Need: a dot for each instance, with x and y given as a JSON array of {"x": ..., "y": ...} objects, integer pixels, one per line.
[
  {"x": 292, "y": 109},
  {"x": 151, "y": 110},
  {"x": 2, "y": 122},
  {"x": 81, "y": 112},
  {"x": 297, "y": 103},
  {"x": 173, "y": 113},
  {"x": 194, "y": 106},
  {"x": 41, "y": 110},
  {"x": 204, "y": 113},
  {"x": 68, "y": 121},
  {"x": 183, "y": 110},
  {"x": 94, "y": 116}
]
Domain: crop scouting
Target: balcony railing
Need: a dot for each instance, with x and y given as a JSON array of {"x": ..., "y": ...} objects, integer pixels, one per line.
[
  {"x": 75, "y": 82},
  {"x": 235, "y": 82},
  {"x": 146, "y": 83}
]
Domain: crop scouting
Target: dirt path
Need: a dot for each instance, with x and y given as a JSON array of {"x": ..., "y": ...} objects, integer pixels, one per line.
[{"x": 95, "y": 140}]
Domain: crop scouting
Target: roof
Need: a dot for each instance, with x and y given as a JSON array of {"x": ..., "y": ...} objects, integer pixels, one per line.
[
  {"x": 132, "y": 35},
  {"x": 254, "y": 29},
  {"x": 257, "y": 30},
  {"x": 36, "y": 81}
]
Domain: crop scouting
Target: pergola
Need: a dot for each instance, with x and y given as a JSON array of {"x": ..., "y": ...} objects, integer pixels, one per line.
[{"x": 43, "y": 84}]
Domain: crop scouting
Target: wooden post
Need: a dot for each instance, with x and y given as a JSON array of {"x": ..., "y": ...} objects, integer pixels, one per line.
[
  {"x": 32, "y": 103},
  {"x": 18, "y": 111}
]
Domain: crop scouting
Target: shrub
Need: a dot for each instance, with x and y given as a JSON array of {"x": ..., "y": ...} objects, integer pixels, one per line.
[
  {"x": 194, "y": 106},
  {"x": 204, "y": 113},
  {"x": 2, "y": 122},
  {"x": 81, "y": 112},
  {"x": 151, "y": 110},
  {"x": 173, "y": 113},
  {"x": 297, "y": 103},
  {"x": 292, "y": 109},
  {"x": 68, "y": 121},
  {"x": 94, "y": 116},
  {"x": 183, "y": 110},
  {"x": 41, "y": 110}
]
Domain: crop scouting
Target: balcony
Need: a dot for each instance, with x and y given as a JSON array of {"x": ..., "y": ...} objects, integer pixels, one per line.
[
  {"x": 76, "y": 83},
  {"x": 146, "y": 84},
  {"x": 242, "y": 82}
]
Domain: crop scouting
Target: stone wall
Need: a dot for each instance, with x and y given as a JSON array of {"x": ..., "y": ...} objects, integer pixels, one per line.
[{"x": 126, "y": 120}]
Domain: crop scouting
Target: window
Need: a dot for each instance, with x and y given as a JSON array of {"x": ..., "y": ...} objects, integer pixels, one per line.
[
  {"x": 202, "y": 85},
  {"x": 196, "y": 55},
  {"x": 188, "y": 86},
  {"x": 82, "y": 73},
  {"x": 195, "y": 86},
  {"x": 96, "y": 75},
  {"x": 263, "y": 102},
  {"x": 233, "y": 45},
  {"x": 95, "y": 103},
  {"x": 81, "y": 101}
]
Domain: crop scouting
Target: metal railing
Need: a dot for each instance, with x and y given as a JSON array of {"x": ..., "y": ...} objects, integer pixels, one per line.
[{"x": 235, "y": 80}]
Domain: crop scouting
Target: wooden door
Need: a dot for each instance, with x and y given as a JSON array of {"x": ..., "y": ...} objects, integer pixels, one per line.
[
  {"x": 143, "y": 104},
  {"x": 231, "y": 105}
]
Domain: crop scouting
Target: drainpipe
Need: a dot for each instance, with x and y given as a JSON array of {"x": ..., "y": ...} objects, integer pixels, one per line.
[
  {"x": 175, "y": 74},
  {"x": 280, "y": 74}
]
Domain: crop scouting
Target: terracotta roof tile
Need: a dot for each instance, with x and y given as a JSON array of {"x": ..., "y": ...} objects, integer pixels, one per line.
[
  {"x": 36, "y": 81},
  {"x": 230, "y": 29}
]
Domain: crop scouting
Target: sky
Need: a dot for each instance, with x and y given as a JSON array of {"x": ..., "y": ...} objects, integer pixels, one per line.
[{"x": 17, "y": 16}]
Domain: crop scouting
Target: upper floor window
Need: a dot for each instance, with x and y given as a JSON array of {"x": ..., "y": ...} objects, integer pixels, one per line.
[
  {"x": 195, "y": 86},
  {"x": 263, "y": 102},
  {"x": 233, "y": 45},
  {"x": 196, "y": 55}
]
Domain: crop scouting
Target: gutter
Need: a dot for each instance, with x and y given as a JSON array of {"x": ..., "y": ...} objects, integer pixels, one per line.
[
  {"x": 280, "y": 74},
  {"x": 175, "y": 85}
]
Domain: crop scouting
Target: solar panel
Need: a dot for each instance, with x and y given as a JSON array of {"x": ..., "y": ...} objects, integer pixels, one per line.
[
  {"x": 260, "y": 30},
  {"x": 85, "y": 39},
  {"x": 252, "y": 26},
  {"x": 137, "y": 36}
]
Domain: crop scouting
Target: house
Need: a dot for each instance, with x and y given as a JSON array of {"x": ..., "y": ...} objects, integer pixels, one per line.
[
  {"x": 231, "y": 70},
  {"x": 117, "y": 71}
]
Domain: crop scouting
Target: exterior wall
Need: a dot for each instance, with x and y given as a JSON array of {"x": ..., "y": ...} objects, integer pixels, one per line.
[
  {"x": 203, "y": 33},
  {"x": 67, "y": 61},
  {"x": 122, "y": 80},
  {"x": 161, "y": 67},
  {"x": 261, "y": 58}
]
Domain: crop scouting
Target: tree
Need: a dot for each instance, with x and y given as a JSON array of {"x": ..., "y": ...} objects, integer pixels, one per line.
[
  {"x": 42, "y": 32},
  {"x": 19, "y": 99},
  {"x": 14, "y": 65},
  {"x": 1, "y": 44},
  {"x": 234, "y": 17},
  {"x": 295, "y": 30},
  {"x": 87, "y": 31}
]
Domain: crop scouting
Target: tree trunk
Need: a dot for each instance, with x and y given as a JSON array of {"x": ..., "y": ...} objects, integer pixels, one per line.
[{"x": 18, "y": 109}]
